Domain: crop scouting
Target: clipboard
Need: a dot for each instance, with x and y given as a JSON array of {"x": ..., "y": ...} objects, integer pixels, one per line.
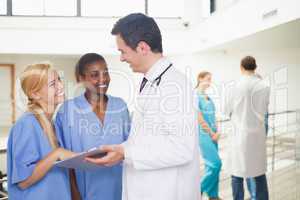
[{"x": 78, "y": 162}]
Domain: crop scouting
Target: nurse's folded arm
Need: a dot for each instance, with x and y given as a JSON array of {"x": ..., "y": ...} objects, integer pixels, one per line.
[
  {"x": 203, "y": 124},
  {"x": 214, "y": 135},
  {"x": 44, "y": 166}
]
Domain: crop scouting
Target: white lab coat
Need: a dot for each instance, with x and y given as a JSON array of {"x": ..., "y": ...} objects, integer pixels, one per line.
[
  {"x": 161, "y": 154},
  {"x": 247, "y": 103}
]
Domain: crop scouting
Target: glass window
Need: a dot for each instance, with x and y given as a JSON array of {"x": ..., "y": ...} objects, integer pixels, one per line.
[
  {"x": 44, "y": 7},
  {"x": 61, "y": 7},
  {"x": 111, "y": 8},
  {"x": 6, "y": 106},
  {"x": 27, "y": 7},
  {"x": 3, "y": 7},
  {"x": 206, "y": 11},
  {"x": 165, "y": 8}
]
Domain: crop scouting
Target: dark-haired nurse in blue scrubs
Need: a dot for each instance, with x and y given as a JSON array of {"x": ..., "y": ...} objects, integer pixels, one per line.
[{"x": 91, "y": 120}]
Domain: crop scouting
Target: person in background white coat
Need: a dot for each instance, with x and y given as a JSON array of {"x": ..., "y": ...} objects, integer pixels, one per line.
[
  {"x": 161, "y": 155},
  {"x": 247, "y": 104}
]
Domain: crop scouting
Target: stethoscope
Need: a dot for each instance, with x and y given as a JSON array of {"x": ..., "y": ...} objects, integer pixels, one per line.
[
  {"x": 155, "y": 84},
  {"x": 158, "y": 79}
]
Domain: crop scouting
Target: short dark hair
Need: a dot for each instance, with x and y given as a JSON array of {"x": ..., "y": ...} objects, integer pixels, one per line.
[
  {"x": 138, "y": 27},
  {"x": 249, "y": 63},
  {"x": 86, "y": 59}
]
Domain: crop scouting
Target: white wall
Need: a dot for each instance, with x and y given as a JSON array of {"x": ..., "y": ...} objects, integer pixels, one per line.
[
  {"x": 272, "y": 64},
  {"x": 73, "y": 35},
  {"x": 240, "y": 19}
]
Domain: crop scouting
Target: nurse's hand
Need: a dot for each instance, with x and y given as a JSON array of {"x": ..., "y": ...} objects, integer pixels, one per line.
[
  {"x": 114, "y": 155},
  {"x": 215, "y": 137},
  {"x": 63, "y": 154}
]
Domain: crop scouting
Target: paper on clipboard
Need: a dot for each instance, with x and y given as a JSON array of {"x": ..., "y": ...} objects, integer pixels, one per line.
[{"x": 78, "y": 161}]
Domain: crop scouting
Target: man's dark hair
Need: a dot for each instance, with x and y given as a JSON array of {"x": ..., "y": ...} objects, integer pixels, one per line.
[
  {"x": 138, "y": 27},
  {"x": 249, "y": 63}
]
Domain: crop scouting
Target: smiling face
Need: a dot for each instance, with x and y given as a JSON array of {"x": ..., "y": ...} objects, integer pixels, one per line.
[
  {"x": 52, "y": 92},
  {"x": 43, "y": 87},
  {"x": 96, "y": 78},
  {"x": 129, "y": 55}
]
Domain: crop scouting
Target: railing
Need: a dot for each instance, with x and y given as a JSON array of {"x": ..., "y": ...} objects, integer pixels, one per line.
[
  {"x": 3, "y": 195},
  {"x": 273, "y": 130},
  {"x": 283, "y": 152}
]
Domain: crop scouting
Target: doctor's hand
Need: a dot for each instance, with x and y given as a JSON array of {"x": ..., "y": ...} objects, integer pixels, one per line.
[{"x": 114, "y": 154}]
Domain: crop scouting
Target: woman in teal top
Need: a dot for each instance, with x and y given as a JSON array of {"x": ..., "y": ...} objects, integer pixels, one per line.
[{"x": 208, "y": 138}]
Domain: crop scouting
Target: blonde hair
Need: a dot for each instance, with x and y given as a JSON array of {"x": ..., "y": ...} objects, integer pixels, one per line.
[
  {"x": 201, "y": 75},
  {"x": 33, "y": 78}
]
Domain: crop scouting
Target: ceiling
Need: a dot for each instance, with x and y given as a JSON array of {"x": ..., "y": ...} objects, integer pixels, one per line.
[{"x": 283, "y": 36}]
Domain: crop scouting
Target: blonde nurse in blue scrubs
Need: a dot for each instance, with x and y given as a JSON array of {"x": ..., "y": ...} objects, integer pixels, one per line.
[{"x": 33, "y": 146}]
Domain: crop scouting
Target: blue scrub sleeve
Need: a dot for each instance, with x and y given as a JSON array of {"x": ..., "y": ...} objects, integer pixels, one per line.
[
  {"x": 59, "y": 130},
  {"x": 24, "y": 151}
]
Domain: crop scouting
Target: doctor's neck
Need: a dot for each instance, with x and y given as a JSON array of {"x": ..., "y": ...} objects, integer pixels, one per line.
[
  {"x": 150, "y": 60},
  {"x": 247, "y": 72}
]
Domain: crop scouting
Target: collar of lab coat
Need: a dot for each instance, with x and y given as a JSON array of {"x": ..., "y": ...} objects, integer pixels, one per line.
[
  {"x": 157, "y": 69},
  {"x": 248, "y": 76}
]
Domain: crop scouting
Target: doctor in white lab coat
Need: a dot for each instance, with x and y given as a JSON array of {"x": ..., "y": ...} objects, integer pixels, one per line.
[
  {"x": 247, "y": 104},
  {"x": 161, "y": 156}
]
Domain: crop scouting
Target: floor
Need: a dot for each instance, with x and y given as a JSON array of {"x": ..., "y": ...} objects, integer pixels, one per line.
[{"x": 283, "y": 168}]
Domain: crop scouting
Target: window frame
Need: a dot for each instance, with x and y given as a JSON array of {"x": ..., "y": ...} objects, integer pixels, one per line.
[
  {"x": 79, "y": 12},
  {"x": 10, "y": 11},
  {"x": 13, "y": 88},
  {"x": 6, "y": 9}
]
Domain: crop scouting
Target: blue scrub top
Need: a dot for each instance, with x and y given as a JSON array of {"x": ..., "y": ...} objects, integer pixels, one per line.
[
  {"x": 82, "y": 130},
  {"x": 27, "y": 145},
  {"x": 208, "y": 110}
]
